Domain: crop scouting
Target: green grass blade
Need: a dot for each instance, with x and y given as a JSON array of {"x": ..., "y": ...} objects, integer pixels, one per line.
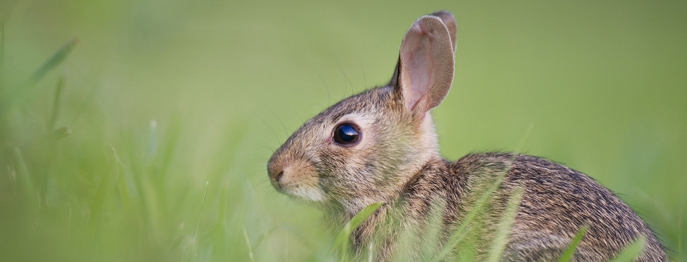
[
  {"x": 98, "y": 205},
  {"x": 165, "y": 150},
  {"x": 570, "y": 251},
  {"x": 56, "y": 106},
  {"x": 504, "y": 226},
  {"x": 250, "y": 249},
  {"x": 632, "y": 251},
  {"x": 433, "y": 230},
  {"x": 202, "y": 206},
  {"x": 120, "y": 178},
  {"x": 458, "y": 235},
  {"x": 345, "y": 233},
  {"x": 2, "y": 47},
  {"x": 59, "y": 133},
  {"x": 54, "y": 61},
  {"x": 220, "y": 242},
  {"x": 467, "y": 252},
  {"x": 26, "y": 185},
  {"x": 18, "y": 92}
]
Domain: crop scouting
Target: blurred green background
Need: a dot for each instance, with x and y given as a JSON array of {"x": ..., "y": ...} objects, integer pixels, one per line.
[{"x": 148, "y": 141}]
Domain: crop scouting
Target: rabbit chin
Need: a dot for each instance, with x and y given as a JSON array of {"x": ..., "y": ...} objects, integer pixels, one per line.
[{"x": 313, "y": 194}]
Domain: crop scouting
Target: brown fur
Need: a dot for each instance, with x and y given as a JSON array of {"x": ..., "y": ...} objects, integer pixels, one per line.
[{"x": 397, "y": 162}]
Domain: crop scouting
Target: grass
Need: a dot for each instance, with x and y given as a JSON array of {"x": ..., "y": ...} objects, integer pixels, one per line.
[
  {"x": 342, "y": 239},
  {"x": 498, "y": 244},
  {"x": 147, "y": 140},
  {"x": 570, "y": 251},
  {"x": 631, "y": 252}
]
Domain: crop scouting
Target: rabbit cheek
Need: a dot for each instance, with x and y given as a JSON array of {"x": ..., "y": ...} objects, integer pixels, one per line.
[{"x": 354, "y": 170}]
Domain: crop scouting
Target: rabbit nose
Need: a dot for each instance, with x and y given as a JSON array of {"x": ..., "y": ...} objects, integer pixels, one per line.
[
  {"x": 275, "y": 172},
  {"x": 278, "y": 176}
]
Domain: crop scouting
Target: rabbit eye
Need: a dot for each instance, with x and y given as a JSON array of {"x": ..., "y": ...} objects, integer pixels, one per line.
[{"x": 347, "y": 134}]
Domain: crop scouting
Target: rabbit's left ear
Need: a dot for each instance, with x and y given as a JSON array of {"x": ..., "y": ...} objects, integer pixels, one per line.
[
  {"x": 424, "y": 72},
  {"x": 450, "y": 23}
]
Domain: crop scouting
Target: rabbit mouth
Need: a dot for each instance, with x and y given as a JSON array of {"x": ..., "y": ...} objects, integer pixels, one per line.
[
  {"x": 298, "y": 184},
  {"x": 308, "y": 193}
]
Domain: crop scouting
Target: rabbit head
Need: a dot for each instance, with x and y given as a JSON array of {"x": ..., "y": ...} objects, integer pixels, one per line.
[{"x": 365, "y": 148}]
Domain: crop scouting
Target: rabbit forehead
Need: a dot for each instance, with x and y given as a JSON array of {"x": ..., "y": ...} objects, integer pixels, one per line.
[
  {"x": 373, "y": 103},
  {"x": 362, "y": 109}
]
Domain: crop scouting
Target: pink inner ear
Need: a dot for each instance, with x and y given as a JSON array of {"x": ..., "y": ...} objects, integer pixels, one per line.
[
  {"x": 426, "y": 65},
  {"x": 417, "y": 66}
]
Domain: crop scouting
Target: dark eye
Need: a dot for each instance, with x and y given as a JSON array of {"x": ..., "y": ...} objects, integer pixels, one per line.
[{"x": 347, "y": 134}]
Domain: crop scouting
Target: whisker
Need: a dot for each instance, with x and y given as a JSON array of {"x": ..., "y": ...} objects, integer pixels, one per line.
[
  {"x": 326, "y": 87},
  {"x": 279, "y": 119},
  {"x": 362, "y": 68},
  {"x": 350, "y": 84},
  {"x": 270, "y": 127}
]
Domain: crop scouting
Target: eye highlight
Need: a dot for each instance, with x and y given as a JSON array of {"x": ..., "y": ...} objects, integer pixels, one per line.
[{"x": 347, "y": 134}]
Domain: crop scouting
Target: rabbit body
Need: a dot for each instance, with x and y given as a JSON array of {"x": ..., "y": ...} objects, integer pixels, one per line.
[
  {"x": 381, "y": 146},
  {"x": 556, "y": 202}
]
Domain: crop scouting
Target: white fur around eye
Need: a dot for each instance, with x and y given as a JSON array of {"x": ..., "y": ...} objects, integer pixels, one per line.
[{"x": 361, "y": 120}]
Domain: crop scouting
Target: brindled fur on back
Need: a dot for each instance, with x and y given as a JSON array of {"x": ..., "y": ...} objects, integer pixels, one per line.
[{"x": 380, "y": 146}]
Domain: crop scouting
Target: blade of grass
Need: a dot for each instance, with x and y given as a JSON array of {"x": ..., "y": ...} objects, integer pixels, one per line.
[
  {"x": 26, "y": 185},
  {"x": 504, "y": 226},
  {"x": 59, "y": 133},
  {"x": 18, "y": 92},
  {"x": 220, "y": 232},
  {"x": 433, "y": 229},
  {"x": 122, "y": 185},
  {"x": 370, "y": 252},
  {"x": 570, "y": 251},
  {"x": 200, "y": 213},
  {"x": 56, "y": 104},
  {"x": 98, "y": 204},
  {"x": 268, "y": 233},
  {"x": 54, "y": 61},
  {"x": 268, "y": 239},
  {"x": 632, "y": 251},
  {"x": 2, "y": 47},
  {"x": 345, "y": 233},
  {"x": 467, "y": 251},
  {"x": 167, "y": 147},
  {"x": 250, "y": 249},
  {"x": 194, "y": 242},
  {"x": 150, "y": 197},
  {"x": 458, "y": 235},
  {"x": 405, "y": 243}
]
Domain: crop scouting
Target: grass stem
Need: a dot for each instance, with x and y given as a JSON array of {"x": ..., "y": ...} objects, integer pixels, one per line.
[
  {"x": 56, "y": 104},
  {"x": 202, "y": 205},
  {"x": 570, "y": 251},
  {"x": 250, "y": 249}
]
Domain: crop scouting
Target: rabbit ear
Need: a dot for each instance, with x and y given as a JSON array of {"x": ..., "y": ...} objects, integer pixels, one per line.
[
  {"x": 450, "y": 23},
  {"x": 424, "y": 72}
]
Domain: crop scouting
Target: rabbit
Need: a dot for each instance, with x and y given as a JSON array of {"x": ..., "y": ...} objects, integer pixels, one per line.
[{"x": 381, "y": 146}]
